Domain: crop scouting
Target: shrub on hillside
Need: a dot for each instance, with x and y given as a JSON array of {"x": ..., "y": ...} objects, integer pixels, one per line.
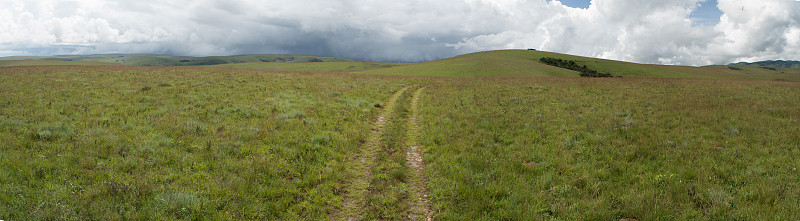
[
  {"x": 571, "y": 65},
  {"x": 769, "y": 68}
]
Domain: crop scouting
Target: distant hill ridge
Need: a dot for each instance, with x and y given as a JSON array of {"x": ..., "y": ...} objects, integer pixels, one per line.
[
  {"x": 168, "y": 60},
  {"x": 506, "y": 63},
  {"x": 498, "y": 63},
  {"x": 772, "y": 63}
]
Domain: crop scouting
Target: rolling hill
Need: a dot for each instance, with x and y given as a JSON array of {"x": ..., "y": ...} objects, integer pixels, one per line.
[
  {"x": 499, "y": 63},
  {"x": 168, "y": 60},
  {"x": 342, "y": 66},
  {"x": 526, "y": 63},
  {"x": 48, "y": 63},
  {"x": 483, "y": 141},
  {"x": 777, "y": 63}
]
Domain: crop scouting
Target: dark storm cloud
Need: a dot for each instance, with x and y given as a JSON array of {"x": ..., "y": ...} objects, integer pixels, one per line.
[{"x": 414, "y": 30}]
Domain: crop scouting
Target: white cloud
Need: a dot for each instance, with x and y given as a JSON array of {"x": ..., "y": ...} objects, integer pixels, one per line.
[{"x": 412, "y": 30}]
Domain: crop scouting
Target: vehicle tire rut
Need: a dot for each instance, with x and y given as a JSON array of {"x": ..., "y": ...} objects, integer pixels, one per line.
[
  {"x": 420, "y": 207},
  {"x": 357, "y": 190}
]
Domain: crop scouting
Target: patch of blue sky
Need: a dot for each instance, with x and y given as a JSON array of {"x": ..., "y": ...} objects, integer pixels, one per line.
[
  {"x": 707, "y": 14},
  {"x": 576, "y": 3}
]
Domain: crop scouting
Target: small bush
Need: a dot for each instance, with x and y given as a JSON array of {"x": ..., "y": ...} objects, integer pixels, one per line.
[
  {"x": 596, "y": 74},
  {"x": 769, "y": 68}
]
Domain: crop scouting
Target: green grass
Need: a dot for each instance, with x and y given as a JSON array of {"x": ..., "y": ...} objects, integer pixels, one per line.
[
  {"x": 481, "y": 64},
  {"x": 167, "y": 60},
  {"x": 215, "y": 60},
  {"x": 310, "y": 66},
  {"x": 120, "y": 142},
  {"x": 509, "y": 63},
  {"x": 501, "y": 63},
  {"x": 751, "y": 69},
  {"x": 48, "y": 63},
  {"x": 606, "y": 149},
  {"x": 388, "y": 196},
  {"x": 510, "y": 143}
]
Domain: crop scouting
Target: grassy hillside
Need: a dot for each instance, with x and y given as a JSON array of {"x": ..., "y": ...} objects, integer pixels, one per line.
[
  {"x": 113, "y": 143},
  {"x": 48, "y": 63},
  {"x": 167, "y": 60},
  {"x": 191, "y": 143},
  {"x": 608, "y": 149},
  {"x": 481, "y": 64},
  {"x": 753, "y": 69},
  {"x": 526, "y": 63},
  {"x": 502, "y": 63},
  {"x": 777, "y": 63},
  {"x": 310, "y": 66}
]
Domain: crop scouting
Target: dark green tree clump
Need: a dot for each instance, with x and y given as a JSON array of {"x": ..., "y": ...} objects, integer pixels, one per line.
[
  {"x": 769, "y": 68},
  {"x": 571, "y": 65}
]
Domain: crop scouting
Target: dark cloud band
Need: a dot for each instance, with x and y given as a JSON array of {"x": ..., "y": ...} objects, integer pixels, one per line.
[{"x": 409, "y": 31}]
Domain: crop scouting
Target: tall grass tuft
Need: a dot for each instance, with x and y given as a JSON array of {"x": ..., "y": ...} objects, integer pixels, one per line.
[
  {"x": 53, "y": 132},
  {"x": 180, "y": 204}
]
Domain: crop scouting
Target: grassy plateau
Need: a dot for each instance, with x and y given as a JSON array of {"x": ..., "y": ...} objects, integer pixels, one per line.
[
  {"x": 309, "y": 66},
  {"x": 81, "y": 143},
  {"x": 601, "y": 149},
  {"x": 168, "y": 60},
  {"x": 486, "y": 136}
]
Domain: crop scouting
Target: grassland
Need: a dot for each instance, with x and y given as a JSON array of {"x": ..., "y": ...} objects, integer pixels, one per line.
[
  {"x": 168, "y": 60},
  {"x": 605, "y": 149},
  {"x": 509, "y": 63},
  {"x": 84, "y": 143},
  {"x": 500, "y": 63},
  {"x": 499, "y": 135},
  {"x": 310, "y": 66},
  {"x": 50, "y": 63}
]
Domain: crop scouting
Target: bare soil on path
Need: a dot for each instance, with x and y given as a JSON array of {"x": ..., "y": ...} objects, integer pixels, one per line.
[
  {"x": 420, "y": 208},
  {"x": 353, "y": 205}
]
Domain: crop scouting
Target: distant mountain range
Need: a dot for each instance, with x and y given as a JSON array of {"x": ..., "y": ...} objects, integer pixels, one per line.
[{"x": 777, "y": 63}]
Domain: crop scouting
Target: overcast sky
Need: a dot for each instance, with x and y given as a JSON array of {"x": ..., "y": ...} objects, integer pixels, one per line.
[{"x": 688, "y": 32}]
